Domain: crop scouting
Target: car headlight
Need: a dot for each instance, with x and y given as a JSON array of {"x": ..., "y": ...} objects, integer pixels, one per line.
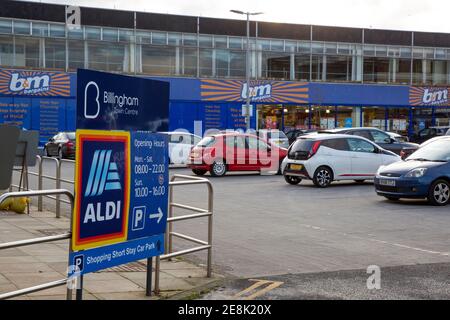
[
  {"x": 380, "y": 169},
  {"x": 416, "y": 173}
]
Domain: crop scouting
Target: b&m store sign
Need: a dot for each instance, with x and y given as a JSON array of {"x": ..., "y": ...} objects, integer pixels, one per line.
[
  {"x": 258, "y": 90},
  {"x": 429, "y": 96},
  {"x": 34, "y": 83}
]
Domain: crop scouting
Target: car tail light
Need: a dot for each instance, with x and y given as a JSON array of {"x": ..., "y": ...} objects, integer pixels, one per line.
[
  {"x": 69, "y": 144},
  {"x": 314, "y": 149}
]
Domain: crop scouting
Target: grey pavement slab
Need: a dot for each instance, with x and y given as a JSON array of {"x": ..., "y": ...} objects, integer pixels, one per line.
[{"x": 33, "y": 265}]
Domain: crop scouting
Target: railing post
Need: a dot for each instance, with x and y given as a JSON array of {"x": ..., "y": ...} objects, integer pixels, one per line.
[
  {"x": 170, "y": 226},
  {"x": 157, "y": 270},
  {"x": 210, "y": 228},
  {"x": 39, "y": 160},
  {"x": 58, "y": 186}
]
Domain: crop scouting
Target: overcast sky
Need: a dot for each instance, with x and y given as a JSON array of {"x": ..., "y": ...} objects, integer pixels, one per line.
[{"x": 415, "y": 15}]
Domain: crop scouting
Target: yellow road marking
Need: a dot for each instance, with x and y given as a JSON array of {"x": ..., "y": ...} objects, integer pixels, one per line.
[{"x": 258, "y": 283}]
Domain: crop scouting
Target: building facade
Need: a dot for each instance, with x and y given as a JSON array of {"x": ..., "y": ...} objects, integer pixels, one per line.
[{"x": 302, "y": 76}]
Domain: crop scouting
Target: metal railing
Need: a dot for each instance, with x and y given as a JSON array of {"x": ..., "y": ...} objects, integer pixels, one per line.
[
  {"x": 57, "y": 178},
  {"x": 188, "y": 180},
  {"x": 199, "y": 213},
  {"x": 28, "y": 242}
]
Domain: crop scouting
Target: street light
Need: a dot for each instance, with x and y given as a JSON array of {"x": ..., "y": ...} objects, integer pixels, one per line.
[{"x": 248, "y": 14}]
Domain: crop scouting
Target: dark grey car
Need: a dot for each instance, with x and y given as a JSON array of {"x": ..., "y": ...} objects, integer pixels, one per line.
[{"x": 378, "y": 136}]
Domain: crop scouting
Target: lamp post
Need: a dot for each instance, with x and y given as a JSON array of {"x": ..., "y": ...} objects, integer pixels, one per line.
[{"x": 247, "y": 104}]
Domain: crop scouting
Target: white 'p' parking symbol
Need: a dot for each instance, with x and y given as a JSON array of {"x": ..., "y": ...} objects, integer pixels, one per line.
[{"x": 97, "y": 102}]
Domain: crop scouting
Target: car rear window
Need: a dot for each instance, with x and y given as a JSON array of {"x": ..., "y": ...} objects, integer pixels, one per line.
[
  {"x": 336, "y": 144},
  {"x": 71, "y": 135},
  {"x": 206, "y": 142},
  {"x": 276, "y": 135},
  {"x": 302, "y": 145}
]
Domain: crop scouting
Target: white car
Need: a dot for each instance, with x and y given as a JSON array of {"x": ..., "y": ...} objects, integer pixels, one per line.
[
  {"x": 274, "y": 136},
  {"x": 180, "y": 145},
  {"x": 329, "y": 157}
]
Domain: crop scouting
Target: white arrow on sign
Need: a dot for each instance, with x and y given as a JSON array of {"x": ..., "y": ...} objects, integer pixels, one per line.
[{"x": 158, "y": 215}]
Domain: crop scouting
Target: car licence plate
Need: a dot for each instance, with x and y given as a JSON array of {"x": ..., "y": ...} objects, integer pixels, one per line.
[
  {"x": 387, "y": 182},
  {"x": 297, "y": 167}
]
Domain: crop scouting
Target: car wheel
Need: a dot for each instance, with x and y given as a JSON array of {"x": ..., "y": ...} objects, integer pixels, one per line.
[
  {"x": 292, "y": 180},
  {"x": 218, "y": 168},
  {"x": 439, "y": 193},
  {"x": 323, "y": 177},
  {"x": 199, "y": 172},
  {"x": 392, "y": 198},
  {"x": 360, "y": 181}
]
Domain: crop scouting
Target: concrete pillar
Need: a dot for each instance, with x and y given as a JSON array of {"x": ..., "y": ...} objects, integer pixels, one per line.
[
  {"x": 356, "y": 116},
  {"x": 324, "y": 68},
  {"x": 292, "y": 65}
]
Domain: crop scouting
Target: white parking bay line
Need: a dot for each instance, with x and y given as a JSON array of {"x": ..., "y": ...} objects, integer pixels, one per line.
[{"x": 444, "y": 254}]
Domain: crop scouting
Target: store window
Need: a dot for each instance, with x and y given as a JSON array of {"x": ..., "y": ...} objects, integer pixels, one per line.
[
  {"x": 347, "y": 117},
  {"x": 189, "y": 62},
  {"x": 158, "y": 60},
  {"x": 275, "y": 65},
  {"x": 323, "y": 117},
  {"x": 55, "y": 54},
  {"x": 302, "y": 67},
  {"x": 270, "y": 116},
  {"x": 222, "y": 63},
  {"x": 422, "y": 118},
  {"x": 374, "y": 117},
  {"x": 338, "y": 68},
  {"x": 237, "y": 64},
  {"x": 108, "y": 56},
  {"x": 206, "y": 65},
  {"x": 76, "y": 54},
  {"x": 6, "y": 51},
  {"x": 401, "y": 69},
  {"x": 442, "y": 116},
  {"x": 27, "y": 52},
  {"x": 398, "y": 120},
  {"x": 317, "y": 68},
  {"x": 296, "y": 117},
  {"x": 376, "y": 69}
]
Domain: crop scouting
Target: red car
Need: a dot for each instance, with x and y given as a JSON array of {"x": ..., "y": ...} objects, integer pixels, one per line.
[{"x": 234, "y": 152}]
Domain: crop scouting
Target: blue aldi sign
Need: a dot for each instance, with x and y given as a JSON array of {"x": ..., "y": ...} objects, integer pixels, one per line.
[
  {"x": 121, "y": 201},
  {"x": 115, "y": 102},
  {"x": 102, "y": 179}
]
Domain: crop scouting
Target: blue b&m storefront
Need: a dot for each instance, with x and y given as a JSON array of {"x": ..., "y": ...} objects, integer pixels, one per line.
[{"x": 46, "y": 101}]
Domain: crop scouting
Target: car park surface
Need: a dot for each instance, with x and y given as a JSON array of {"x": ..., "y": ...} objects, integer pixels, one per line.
[{"x": 266, "y": 228}]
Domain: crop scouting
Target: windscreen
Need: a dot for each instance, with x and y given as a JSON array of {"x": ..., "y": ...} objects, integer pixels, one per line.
[{"x": 438, "y": 150}]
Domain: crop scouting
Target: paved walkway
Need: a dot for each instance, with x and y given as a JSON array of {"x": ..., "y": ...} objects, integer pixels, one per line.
[{"x": 32, "y": 265}]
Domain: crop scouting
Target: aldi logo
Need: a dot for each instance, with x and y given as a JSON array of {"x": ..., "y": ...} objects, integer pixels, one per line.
[
  {"x": 103, "y": 175},
  {"x": 102, "y": 188}
]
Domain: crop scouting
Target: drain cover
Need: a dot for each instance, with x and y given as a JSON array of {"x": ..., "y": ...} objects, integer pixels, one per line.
[{"x": 130, "y": 267}]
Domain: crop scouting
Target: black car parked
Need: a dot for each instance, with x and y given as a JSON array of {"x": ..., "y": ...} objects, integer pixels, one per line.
[
  {"x": 295, "y": 133},
  {"x": 61, "y": 145},
  {"x": 378, "y": 136},
  {"x": 428, "y": 133}
]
